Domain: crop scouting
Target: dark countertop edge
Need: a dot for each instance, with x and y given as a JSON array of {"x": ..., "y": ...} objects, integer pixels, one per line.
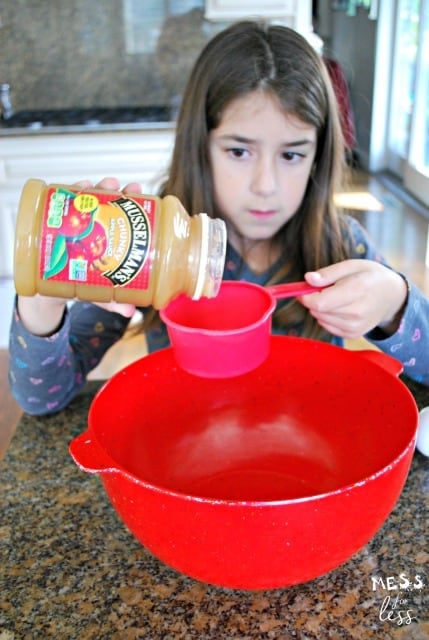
[{"x": 85, "y": 128}]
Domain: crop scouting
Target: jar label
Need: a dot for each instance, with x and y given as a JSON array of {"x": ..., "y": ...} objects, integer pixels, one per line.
[{"x": 98, "y": 239}]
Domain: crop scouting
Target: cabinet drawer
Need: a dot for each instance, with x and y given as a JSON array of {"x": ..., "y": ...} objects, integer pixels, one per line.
[{"x": 236, "y": 9}]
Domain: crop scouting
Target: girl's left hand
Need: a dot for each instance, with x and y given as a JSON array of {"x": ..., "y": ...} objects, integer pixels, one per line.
[
  {"x": 113, "y": 184},
  {"x": 360, "y": 295}
]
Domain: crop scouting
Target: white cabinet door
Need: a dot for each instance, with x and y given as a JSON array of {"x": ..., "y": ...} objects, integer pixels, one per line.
[
  {"x": 8, "y": 207},
  {"x": 292, "y": 13},
  {"x": 138, "y": 156}
]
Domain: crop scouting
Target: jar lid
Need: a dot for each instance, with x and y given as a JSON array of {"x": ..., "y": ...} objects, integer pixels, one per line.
[{"x": 212, "y": 257}]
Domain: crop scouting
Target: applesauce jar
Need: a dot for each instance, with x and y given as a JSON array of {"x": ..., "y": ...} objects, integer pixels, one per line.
[{"x": 99, "y": 245}]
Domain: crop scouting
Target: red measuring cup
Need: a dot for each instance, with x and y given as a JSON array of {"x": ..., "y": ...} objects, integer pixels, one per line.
[{"x": 227, "y": 335}]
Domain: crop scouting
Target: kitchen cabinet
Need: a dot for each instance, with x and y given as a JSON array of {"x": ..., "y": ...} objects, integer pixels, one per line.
[
  {"x": 295, "y": 13},
  {"x": 141, "y": 156}
]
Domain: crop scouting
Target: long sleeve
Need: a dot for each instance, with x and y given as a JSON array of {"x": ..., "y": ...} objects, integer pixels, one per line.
[
  {"x": 410, "y": 343},
  {"x": 46, "y": 373}
]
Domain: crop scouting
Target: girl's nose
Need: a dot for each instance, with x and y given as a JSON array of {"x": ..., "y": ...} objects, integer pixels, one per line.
[{"x": 263, "y": 178}]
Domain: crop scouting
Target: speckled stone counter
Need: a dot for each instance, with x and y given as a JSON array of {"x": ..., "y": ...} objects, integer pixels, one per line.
[{"x": 69, "y": 569}]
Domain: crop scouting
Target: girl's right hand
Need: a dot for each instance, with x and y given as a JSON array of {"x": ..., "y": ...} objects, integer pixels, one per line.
[
  {"x": 110, "y": 184},
  {"x": 42, "y": 315}
]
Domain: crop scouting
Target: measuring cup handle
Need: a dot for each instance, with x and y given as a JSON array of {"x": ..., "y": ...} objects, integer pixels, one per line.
[{"x": 291, "y": 289}]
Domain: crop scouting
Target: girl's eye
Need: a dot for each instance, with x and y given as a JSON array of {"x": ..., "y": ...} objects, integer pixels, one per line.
[
  {"x": 237, "y": 152},
  {"x": 292, "y": 156}
]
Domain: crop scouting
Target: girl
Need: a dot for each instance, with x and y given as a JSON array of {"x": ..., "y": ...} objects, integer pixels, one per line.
[{"x": 259, "y": 144}]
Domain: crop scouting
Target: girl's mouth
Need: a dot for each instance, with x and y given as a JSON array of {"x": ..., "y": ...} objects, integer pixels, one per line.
[{"x": 258, "y": 213}]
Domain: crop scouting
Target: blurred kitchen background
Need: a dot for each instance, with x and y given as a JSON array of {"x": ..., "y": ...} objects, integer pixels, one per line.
[{"x": 90, "y": 89}]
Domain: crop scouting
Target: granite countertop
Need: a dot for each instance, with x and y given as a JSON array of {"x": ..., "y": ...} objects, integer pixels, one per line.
[
  {"x": 71, "y": 570},
  {"x": 97, "y": 119},
  {"x": 84, "y": 128}
]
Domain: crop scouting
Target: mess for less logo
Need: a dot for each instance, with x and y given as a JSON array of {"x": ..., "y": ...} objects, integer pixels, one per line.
[{"x": 397, "y": 606}]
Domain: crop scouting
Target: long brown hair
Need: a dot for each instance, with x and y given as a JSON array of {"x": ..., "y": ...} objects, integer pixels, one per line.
[{"x": 245, "y": 57}]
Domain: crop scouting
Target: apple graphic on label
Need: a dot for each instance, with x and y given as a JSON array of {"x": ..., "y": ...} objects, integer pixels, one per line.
[
  {"x": 91, "y": 247},
  {"x": 76, "y": 222}
]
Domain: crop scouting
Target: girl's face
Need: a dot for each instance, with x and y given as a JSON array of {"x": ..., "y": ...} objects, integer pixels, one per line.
[{"x": 261, "y": 159}]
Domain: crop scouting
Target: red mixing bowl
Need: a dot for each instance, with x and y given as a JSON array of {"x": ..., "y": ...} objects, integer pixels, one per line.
[{"x": 259, "y": 481}]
